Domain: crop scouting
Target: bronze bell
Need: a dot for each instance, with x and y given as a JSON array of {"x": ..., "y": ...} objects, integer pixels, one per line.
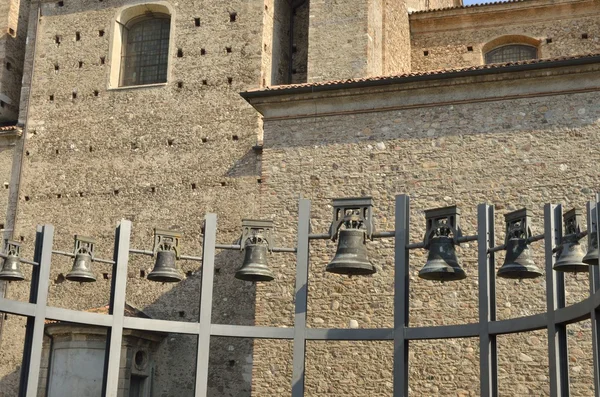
[
  {"x": 351, "y": 255},
  {"x": 11, "y": 269},
  {"x": 591, "y": 258},
  {"x": 442, "y": 263},
  {"x": 165, "y": 269},
  {"x": 570, "y": 258},
  {"x": 82, "y": 269},
  {"x": 255, "y": 266},
  {"x": 518, "y": 263}
]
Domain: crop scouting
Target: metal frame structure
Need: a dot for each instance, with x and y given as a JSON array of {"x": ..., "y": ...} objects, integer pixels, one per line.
[{"x": 555, "y": 320}]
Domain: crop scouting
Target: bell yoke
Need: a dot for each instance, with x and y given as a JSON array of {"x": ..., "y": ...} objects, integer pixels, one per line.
[{"x": 352, "y": 226}]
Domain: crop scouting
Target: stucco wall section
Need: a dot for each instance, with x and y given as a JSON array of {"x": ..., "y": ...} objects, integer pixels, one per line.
[
  {"x": 441, "y": 40},
  {"x": 510, "y": 153}
]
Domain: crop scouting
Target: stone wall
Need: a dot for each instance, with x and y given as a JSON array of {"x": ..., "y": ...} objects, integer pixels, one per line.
[
  {"x": 511, "y": 153},
  {"x": 160, "y": 156},
  {"x": 357, "y": 39},
  {"x": 457, "y": 38},
  {"x": 14, "y": 15}
]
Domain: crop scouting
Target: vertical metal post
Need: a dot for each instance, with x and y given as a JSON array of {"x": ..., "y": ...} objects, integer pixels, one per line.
[
  {"x": 488, "y": 358},
  {"x": 401, "y": 296},
  {"x": 555, "y": 298},
  {"x": 593, "y": 210},
  {"x": 114, "y": 335},
  {"x": 302, "y": 259},
  {"x": 34, "y": 334},
  {"x": 206, "y": 301}
]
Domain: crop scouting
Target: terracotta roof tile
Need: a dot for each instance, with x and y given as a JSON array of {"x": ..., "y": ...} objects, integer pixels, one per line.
[
  {"x": 130, "y": 311},
  {"x": 9, "y": 128},
  {"x": 449, "y": 72}
]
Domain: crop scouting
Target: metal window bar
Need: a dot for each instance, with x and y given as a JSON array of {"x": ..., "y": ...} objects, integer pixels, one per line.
[
  {"x": 511, "y": 53},
  {"x": 487, "y": 329}
]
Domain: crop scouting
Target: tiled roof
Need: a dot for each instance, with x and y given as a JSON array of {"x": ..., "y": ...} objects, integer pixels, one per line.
[
  {"x": 499, "y": 67},
  {"x": 468, "y": 6},
  {"x": 9, "y": 128},
  {"x": 130, "y": 311}
]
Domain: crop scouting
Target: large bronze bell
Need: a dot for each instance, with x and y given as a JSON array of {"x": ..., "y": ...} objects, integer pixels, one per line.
[
  {"x": 591, "y": 258},
  {"x": 442, "y": 263},
  {"x": 518, "y": 263},
  {"x": 351, "y": 255},
  {"x": 11, "y": 269},
  {"x": 255, "y": 266},
  {"x": 165, "y": 269},
  {"x": 82, "y": 269},
  {"x": 570, "y": 258}
]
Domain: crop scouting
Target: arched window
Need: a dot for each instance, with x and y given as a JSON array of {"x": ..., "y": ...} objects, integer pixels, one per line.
[
  {"x": 511, "y": 53},
  {"x": 145, "y": 50}
]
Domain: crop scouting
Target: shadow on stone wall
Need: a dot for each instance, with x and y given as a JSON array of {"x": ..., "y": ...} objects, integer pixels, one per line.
[
  {"x": 230, "y": 368},
  {"x": 9, "y": 382}
]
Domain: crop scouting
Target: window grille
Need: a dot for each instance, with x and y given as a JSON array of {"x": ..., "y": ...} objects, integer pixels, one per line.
[
  {"x": 145, "y": 55},
  {"x": 511, "y": 53}
]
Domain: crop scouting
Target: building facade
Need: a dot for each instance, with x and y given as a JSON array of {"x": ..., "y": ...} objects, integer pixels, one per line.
[{"x": 132, "y": 109}]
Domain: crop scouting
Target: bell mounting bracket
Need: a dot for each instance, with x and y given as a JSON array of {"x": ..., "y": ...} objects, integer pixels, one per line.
[
  {"x": 257, "y": 232},
  {"x": 573, "y": 219},
  {"x": 84, "y": 245},
  {"x": 12, "y": 248},
  {"x": 166, "y": 240},
  {"x": 518, "y": 225},
  {"x": 353, "y": 213},
  {"x": 442, "y": 222}
]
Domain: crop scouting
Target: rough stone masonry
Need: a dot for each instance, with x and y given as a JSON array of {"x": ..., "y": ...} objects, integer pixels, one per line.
[{"x": 163, "y": 155}]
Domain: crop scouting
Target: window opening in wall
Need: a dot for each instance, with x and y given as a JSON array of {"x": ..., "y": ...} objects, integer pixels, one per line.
[
  {"x": 426, "y": 53},
  {"x": 80, "y": 64},
  {"x": 101, "y": 33},
  {"x": 470, "y": 48},
  {"x": 8, "y": 66},
  {"x": 584, "y": 36},
  {"x": 197, "y": 21},
  {"x": 228, "y": 49},
  {"x": 77, "y": 36},
  {"x": 145, "y": 55},
  {"x": 549, "y": 40},
  {"x": 60, "y": 3},
  {"x": 511, "y": 53},
  {"x": 102, "y": 60}
]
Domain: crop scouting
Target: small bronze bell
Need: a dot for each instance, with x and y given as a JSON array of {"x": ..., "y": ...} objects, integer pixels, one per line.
[
  {"x": 442, "y": 263},
  {"x": 351, "y": 255},
  {"x": 11, "y": 269},
  {"x": 591, "y": 258},
  {"x": 255, "y": 266},
  {"x": 570, "y": 258},
  {"x": 165, "y": 269},
  {"x": 518, "y": 263},
  {"x": 82, "y": 269},
  {"x": 82, "y": 265}
]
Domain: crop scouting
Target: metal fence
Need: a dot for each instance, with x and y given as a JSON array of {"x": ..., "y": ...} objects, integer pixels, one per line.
[{"x": 555, "y": 320}]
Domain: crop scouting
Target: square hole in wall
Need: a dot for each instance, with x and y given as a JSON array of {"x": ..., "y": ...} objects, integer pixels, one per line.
[
  {"x": 101, "y": 33},
  {"x": 57, "y": 39},
  {"x": 8, "y": 66},
  {"x": 102, "y": 60},
  {"x": 228, "y": 49},
  {"x": 229, "y": 80},
  {"x": 180, "y": 84},
  {"x": 232, "y": 16},
  {"x": 470, "y": 48},
  {"x": 179, "y": 53},
  {"x": 51, "y": 98},
  {"x": 549, "y": 40},
  {"x": 204, "y": 82},
  {"x": 60, "y": 3},
  {"x": 77, "y": 36},
  {"x": 202, "y": 51},
  {"x": 197, "y": 21},
  {"x": 584, "y": 36},
  {"x": 426, "y": 53},
  {"x": 96, "y": 93},
  {"x": 80, "y": 64}
]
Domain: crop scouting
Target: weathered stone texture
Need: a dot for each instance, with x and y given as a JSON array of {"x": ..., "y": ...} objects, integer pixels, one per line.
[
  {"x": 14, "y": 15},
  {"x": 510, "y": 153},
  {"x": 446, "y": 35},
  {"x": 161, "y": 156}
]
